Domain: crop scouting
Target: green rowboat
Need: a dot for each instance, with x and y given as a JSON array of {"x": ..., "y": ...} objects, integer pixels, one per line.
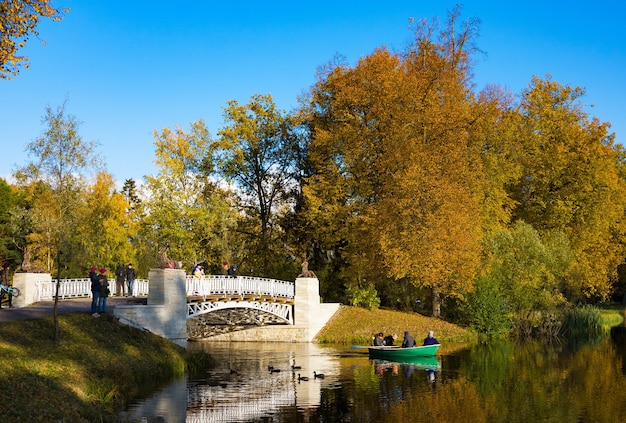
[{"x": 400, "y": 354}]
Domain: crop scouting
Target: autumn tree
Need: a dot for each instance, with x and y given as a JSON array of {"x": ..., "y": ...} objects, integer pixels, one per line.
[
  {"x": 61, "y": 157},
  {"x": 570, "y": 182},
  {"x": 185, "y": 211},
  {"x": 104, "y": 229},
  {"x": 394, "y": 174},
  {"x": 19, "y": 20},
  {"x": 255, "y": 151}
]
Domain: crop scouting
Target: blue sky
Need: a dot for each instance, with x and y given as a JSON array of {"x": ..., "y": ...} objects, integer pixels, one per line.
[{"x": 128, "y": 68}]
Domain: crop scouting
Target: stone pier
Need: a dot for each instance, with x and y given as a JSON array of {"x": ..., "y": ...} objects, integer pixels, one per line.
[
  {"x": 166, "y": 311},
  {"x": 27, "y": 284}
]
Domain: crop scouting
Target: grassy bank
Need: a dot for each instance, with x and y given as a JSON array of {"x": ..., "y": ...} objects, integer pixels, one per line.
[
  {"x": 356, "y": 326},
  {"x": 87, "y": 375},
  {"x": 612, "y": 314}
]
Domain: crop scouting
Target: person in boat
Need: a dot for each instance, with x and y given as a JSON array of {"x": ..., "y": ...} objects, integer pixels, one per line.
[
  {"x": 390, "y": 339},
  {"x": 430, "y": 339},
  {"x": 378, "y": 340},
  {"x": 408, "y": 341}
]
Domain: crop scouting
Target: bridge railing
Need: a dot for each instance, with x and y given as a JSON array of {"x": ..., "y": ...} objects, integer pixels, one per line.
[
  {"x": 81, "y": 287},
  {"x": 205, "y": 286},
  {"x": 220, "y": 285}
]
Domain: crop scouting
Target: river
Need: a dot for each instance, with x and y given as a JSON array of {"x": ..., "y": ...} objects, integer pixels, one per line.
[{"x": 500, "y": 382}]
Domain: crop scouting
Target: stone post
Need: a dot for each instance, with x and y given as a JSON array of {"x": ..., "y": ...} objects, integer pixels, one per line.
[
  {"x": 168, "y": 288},
  {"x": 307, "y": 302},
  {"x": 27, "y": 284},
  {"x": 166, "y": 311}
]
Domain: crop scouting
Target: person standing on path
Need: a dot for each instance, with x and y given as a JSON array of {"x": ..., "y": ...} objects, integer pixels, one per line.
[
  {"x": 120, "y": 276},
  {"x": 131, "y": 275},
  {"x": 104, "y": 291},
  {"x": 95, "y": 290}
]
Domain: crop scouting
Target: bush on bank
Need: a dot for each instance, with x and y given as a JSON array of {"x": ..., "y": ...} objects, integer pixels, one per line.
[{"x": 90, "y": 373}]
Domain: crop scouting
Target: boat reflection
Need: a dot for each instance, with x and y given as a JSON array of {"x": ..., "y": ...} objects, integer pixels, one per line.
[{"x": 407, "y": 367}]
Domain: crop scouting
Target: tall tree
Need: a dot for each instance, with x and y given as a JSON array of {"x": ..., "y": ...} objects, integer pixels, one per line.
[
  {"x": 570, "y": 182},
  {"x": 104, "y": 228},
  {"x": 186, "y": 212},
  {"x": 19, "y": 20},
  {"x": 390, "y": 138},
  {"x": 61, "y": 158},
  {"x": 256, "y": 151}
]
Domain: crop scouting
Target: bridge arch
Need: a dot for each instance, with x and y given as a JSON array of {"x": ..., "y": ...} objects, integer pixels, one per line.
[{"x": 282, "y": 310}]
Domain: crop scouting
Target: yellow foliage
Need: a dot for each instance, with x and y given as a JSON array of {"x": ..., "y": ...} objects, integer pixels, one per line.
[{"x": 19, "y": 20}]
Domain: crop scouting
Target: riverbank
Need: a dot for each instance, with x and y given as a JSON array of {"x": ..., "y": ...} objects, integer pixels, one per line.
[
  {"x": 94, "y": 368},
  {"x": 357, "y": 326}
]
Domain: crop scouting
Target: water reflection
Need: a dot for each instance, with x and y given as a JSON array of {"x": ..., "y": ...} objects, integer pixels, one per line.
[
  {"x": 500, "y": 382},
  {"x": 242, "y": 388}
]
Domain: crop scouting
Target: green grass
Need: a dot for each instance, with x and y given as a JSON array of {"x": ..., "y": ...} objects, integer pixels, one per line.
[
  {"x": 612, "y": 314},
  {"x": 357, "y": 326},
  {"x": 94, "y": 368}
]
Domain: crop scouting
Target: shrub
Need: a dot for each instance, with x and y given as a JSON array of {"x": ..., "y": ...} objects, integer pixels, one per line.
[
  {"x": 364, "y": 297},
  {"x": 584, "y": 321},
  {"x": 486, "y": 308}
]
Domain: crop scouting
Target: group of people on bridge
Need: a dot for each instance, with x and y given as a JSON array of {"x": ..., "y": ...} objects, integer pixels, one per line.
[
  {"x": 124, "y": 277},
  {"x": 380, "y": 340}
]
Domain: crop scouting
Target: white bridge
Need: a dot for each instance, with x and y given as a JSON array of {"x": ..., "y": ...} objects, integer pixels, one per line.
[
  {"x": 212, "y": 293},
  {"x": 173, "y": 298},
  {"x": 204, "y": 294}
]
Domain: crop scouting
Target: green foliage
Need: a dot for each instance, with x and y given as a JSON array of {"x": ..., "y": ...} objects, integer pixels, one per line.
[
  {"x": 364, "y": 297},
  {"x": 486, "y": 309},
  {"x": 12, "y": 233},
  {"x": 257, "y": 152},
  {"x": 54, "y": 181},
  {"x": 186, "y": 214},
  {"x": 584, "y": 322},
  {"x": 527, "y": 269},
  {"x": 570, "y": 183}
]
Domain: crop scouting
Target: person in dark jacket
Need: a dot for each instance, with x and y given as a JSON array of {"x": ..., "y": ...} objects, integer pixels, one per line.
[
  {"x": 104, "y": 291},
  {"x": 131, "y": 275},
  {"x": 408, "y": 340},
  {"x": 390, "y": 339},
  {"x": 95, "y": 290},
  {"x": 120, "y": 276},
  {"x": 430, "y": 339},
  {"x": 378, "y": 340}
]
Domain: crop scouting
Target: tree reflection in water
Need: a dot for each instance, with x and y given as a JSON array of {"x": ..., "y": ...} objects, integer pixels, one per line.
[{"x": 499, "y": 382}]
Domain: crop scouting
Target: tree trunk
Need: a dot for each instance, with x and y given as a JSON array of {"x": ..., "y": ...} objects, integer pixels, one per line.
[
  {"x": 436, "y": 302},
  {"x": 55, "y": 315}
]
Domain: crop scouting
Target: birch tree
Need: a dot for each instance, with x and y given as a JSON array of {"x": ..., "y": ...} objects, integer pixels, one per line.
[{"x": 61, "y": 158}]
